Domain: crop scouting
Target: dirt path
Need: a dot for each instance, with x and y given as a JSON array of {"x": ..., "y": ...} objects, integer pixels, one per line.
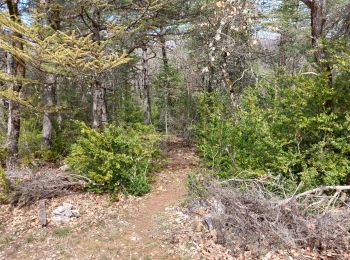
[
  {"x": 133, "y": 228},
  {"x": 148, "y": 224}
]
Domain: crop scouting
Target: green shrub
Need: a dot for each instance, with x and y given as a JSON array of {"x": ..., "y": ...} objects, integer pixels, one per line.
[
  {"x": 295, "y": 128},
  {"x": 3, "y": 156},
  {"x": 116, "y": 159},
  {"x": 214, "y": 134},
  {"x": 62, "y": 140},
  {"x": 4, "y": 187}
]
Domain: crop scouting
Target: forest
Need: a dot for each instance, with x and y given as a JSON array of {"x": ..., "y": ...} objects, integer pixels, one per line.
[{"x": 183, "y": 129}]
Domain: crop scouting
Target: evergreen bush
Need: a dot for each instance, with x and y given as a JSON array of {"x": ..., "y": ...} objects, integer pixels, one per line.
[
  {"x": 4, "y": 187},
  {"x": 294, "y": 128},
  {"x": 117, "y": 158}
]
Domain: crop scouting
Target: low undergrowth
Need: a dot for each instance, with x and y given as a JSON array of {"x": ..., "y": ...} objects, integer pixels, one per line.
[
  {"x": 4, "y": 187},
  {"x": 117, "y": 159}
]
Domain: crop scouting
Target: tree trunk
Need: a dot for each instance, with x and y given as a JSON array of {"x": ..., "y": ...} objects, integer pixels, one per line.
[
  {"x": 53, "y": 20},
  {"x": 15, "y": 67},
  {"x": 317, "y": 32},
  {"x": 282, "y": 51},
  {"x": 14, "y": 118},
  {"x": 3, "y": 107},
  {"x": 58, "y": 104},
  {"x": 166, "y": 71},
  {"x": 99, "y": 107},
  {"x": 2, "y": 115},
  {"x": 147, "y": 112},
  {"x": 99, "y": 110},
  {"x": 49, "y": 96},
  {"x": 318, "y": 20}
]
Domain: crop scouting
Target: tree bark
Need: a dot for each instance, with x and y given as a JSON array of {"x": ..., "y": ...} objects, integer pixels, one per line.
[
  {"x": 99, "y": 110},
  {"x": 318, "y": 21},
  {"x": 49, "y": 96},
  {"x": 2, "y": 115},
  {"x": 147, "y": 109},
  {"x": 16, "y": 67},
  {"x": 166, "y": 71},
  {"x": 3, "y": 107},
  {"x": 53, "y": 20},
  {"x": 58, "y": 104},
  {"x": 99, "y": 106}
]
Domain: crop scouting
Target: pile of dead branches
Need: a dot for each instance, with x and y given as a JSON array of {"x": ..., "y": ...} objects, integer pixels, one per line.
[
  {"x": 250, "y": 218},
  {"x": 45, "y": 184}
]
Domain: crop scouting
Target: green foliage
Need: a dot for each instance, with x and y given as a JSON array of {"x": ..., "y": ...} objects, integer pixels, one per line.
[
  {"x": 339, "y": 53},
  {"x": 295, "y": 128},
  {"x": 4, "y": 187},
  {"x": 171, "y": 99},
  {"x": 116, "y": 159},
  {"x": 30, "y": 150},
  {"x": 30, "y": 139},
  {"x": 3, "y": 156},
  {"x": 125, "y": 107},
  {"x": 214, "y": 133}
]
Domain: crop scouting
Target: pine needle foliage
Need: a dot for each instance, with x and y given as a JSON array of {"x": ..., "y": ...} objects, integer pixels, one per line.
[
  {"x": 57, "y": 52},
  {"x": 68, "y": 50}
]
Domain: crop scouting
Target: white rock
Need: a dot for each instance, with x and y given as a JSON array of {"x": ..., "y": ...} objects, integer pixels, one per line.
[
  {"x": 123, "y": 222},
  {"x": 68, "y": 205},
  {"x": 76, "y": 213},
  {"x": 67, "y": 213},
  {"x": 135, "y": 237},
  {"x": 64, "y": 213},
  {"x": 59, "y": 210}
]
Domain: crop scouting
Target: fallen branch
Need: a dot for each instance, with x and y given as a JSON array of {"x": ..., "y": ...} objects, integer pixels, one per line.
[
  {"x": 254, "y": 218},
  {"x": 319, "y": 190},
  {"x": 44, "y": 185}
]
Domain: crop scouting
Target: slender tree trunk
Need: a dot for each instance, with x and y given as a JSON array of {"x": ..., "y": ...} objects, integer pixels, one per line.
[
  {"x": 15, "y": 66},
  {"x": 53, "y": 20},
  {"x": 166, "y": 70},
  {"x": 58, "y": 104},
  {"x": 49, "y": 96},
  {"x": 14, "y": 119},
  {"x": 99, "y": 106},
  {"x": 2, "y": 115},
  {"x": 318, "y": 20},
  {"x": 3, "y": 110},
  {"x": 147, "y": 110},
  {"x": 99, "y": 110},
  {"x": 282, "y": 51}
]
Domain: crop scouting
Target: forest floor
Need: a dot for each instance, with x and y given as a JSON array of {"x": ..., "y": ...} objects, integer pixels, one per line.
[
  {"x": 158, "y": 225},
  {"x": 131, "y": 228}
]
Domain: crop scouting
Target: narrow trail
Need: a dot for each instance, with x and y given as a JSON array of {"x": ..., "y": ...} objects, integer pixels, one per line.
[
  {"x": 147, "y": 224},
  {"x": 133, "y": 228}
]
